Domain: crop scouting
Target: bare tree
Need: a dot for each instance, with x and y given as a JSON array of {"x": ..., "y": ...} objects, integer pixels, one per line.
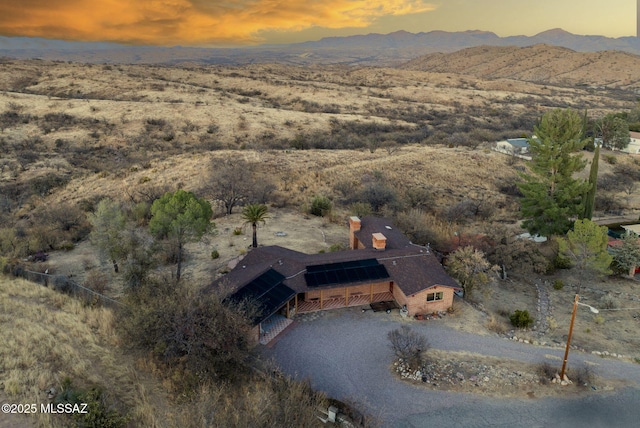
[
  {"x": 236, "y": 182},
  {"x": 408, "y": 345}
]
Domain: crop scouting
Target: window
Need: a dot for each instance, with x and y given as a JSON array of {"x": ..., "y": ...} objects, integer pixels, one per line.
[{"x": 435, "y": 296}]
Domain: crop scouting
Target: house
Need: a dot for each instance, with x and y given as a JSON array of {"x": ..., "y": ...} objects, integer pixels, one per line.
[
  {"x": 616, "y": 241},
  {"x": 634, "y": 143},
  {"x": 515, "y": 146},
  {"x": 381, "y": 265}
]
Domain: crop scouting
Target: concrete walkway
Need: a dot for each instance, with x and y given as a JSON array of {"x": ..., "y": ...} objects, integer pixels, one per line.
[{"x": 346, "y": 354}]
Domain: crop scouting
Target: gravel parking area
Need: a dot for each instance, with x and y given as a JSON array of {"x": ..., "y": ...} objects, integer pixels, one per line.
[{"x": 345, "y": 353}]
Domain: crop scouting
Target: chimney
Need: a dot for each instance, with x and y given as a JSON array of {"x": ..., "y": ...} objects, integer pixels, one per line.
[
  {"x": 379, "y": 241},
  {"x": 354, "y": 226}
]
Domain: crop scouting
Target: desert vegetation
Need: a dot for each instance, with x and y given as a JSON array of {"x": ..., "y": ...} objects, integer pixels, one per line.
[{"x": 148, "y": 179}]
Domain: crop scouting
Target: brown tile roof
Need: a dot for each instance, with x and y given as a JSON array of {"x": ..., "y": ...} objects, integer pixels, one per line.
[
  {"x": 411, "y": 267},
  {"x": 370, "y": 225}
]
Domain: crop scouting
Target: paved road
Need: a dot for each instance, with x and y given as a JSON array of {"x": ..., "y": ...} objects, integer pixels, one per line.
[{"x": 345, "y": 353}]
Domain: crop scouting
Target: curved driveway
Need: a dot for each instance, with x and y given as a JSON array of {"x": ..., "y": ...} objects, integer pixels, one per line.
[{"x": 346, "y": 354}]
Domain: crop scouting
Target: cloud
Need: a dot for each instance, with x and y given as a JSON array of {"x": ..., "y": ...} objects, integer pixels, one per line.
[{"x": 189, "y": 22}]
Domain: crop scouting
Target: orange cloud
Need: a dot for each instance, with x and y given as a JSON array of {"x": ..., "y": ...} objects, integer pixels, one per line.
[{"x": 195, "y": 22}]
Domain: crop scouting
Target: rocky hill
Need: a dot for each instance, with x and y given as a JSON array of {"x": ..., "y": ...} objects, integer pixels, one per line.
[{"x": 540, "y": 64}]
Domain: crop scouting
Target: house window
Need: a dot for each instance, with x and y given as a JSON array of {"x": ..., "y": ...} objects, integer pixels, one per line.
[{"x": 435, "y": 296}]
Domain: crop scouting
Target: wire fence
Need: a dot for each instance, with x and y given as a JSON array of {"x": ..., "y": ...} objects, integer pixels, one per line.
[{"x": 66, "y": 285}]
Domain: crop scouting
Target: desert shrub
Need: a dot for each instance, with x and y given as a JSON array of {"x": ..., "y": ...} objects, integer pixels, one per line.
[
  {"x": 360, "y": 209},
  {"x": 198, "y": 333},
  {"x": 96, "y": 281},
  {"x": 215, "y": 254},
  {"x": 320, "y": 206},
  {"x": 423, "y": 228},
  {"x": 99, "y": 412},
  {"x": 610, "y": 159},
  {"x": 608, "y": 203},
  {"x": 558, "y": 284},
  {"x": 43, "y": 185},
  {"x": 408, "y": 345},
  {"x": 495, "y": 325},
  {"x": 336, "y": 247},
  {"x": 521, "y": 319},
  {"x": 520, "y": 256},
  {"x": 561, "y": 262},
  {"x": 461, "y": 212},
  {"x": 582, "y": 375},
  {"x": 378, "y": 195},
  {"x": 278, "y": 401},
  {"x": 609, "y": 302},
  {"x": 546, "y": 372},
  {"x": 237, "y": 231},
  {"x": 419, "y": 197}
]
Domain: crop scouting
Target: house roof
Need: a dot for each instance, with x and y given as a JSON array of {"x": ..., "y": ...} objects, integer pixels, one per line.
[
  {"x": 411, "y": 267},
  {"x": 519, "y": 142},
  {"x": 372, "y": 225},
  {"x": 268, "y": 290}
]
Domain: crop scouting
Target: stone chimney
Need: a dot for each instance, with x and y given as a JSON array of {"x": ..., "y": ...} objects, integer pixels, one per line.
[
  {"x": 354, "y": 226},
  {"x": 379, "y": 241}
]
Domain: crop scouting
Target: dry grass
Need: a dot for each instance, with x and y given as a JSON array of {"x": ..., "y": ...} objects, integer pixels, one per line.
[{"x": 48, "y": 337}]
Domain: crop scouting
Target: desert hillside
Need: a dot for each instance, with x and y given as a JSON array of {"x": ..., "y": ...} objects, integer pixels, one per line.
[{"x": 540, "y": 64}]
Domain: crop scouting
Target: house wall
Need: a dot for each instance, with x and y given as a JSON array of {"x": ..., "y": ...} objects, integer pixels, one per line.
[
  {"x": 633, "y": 147},
  {"x": 417, "y": 303},
  {"x": 339, "y": 293}
]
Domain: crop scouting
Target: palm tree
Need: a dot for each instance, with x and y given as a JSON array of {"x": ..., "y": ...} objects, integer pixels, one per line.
[{"x": 254, "y": 214}]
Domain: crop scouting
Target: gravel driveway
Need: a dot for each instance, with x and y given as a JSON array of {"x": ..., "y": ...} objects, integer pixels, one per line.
[{"x": 345, "y": 353}]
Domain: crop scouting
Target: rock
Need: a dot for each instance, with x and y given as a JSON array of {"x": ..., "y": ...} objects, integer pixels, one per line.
[
  {"x": 564, "y": 383},
  {"x": 485, "y": 379}
]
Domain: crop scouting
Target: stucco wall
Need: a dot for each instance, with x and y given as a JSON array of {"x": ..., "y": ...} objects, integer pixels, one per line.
[{"x": 417, "y": 303}]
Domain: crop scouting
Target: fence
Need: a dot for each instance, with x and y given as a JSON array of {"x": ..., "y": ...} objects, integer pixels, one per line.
[{"x": 66, "y": 285}]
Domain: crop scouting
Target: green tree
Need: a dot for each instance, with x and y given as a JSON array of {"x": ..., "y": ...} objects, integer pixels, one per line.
[
  {"x": 589, "y": 200},
  {"x": 470, "y": 267},
  {"x": 109, "y": 223},
  {"x": 551, "y": 195},
  {"x": 626, "y": 256},
  {"x": 586, "y": 247},
  {"x": 614, "y": 131},
  {"x": 254, "y": 214},
  {"x": 180, "y": 216}
]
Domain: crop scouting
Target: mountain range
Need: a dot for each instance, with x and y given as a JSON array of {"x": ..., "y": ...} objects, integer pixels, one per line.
[{"x": 371, "y": 50}]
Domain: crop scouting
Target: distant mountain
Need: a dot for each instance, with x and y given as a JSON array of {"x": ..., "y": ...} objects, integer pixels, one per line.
[
  {"x": 371, "y": 49},
  {"x": 539, "y": 63}
]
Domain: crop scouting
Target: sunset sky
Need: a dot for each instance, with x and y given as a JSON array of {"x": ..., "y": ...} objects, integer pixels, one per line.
[{"x": 249, "y": 22}]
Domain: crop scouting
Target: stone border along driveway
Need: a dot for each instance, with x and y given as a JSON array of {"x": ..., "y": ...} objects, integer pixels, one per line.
[{"x": 345, "y": 353}]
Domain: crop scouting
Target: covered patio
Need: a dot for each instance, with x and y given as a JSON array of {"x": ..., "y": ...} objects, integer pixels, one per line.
[{"x": 321, "y": 303}]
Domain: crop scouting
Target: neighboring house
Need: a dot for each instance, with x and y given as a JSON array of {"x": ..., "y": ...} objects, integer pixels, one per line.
[
  {"x": 515, "y": 147},
  {"x": 381, "y": 265},
  {"x": 616, "y": 242},
  {"x": 634, "y": 143}
]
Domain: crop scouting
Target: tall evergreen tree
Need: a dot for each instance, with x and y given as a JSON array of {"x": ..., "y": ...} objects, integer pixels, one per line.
[
  {"x": 552, "y": 197},
  {"x": 589, "y": 201}
]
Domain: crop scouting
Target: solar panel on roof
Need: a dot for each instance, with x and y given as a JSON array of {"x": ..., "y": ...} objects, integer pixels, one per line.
[
  {"x": 267, "y": 291},
  {"x": 345, "y": 272}
]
